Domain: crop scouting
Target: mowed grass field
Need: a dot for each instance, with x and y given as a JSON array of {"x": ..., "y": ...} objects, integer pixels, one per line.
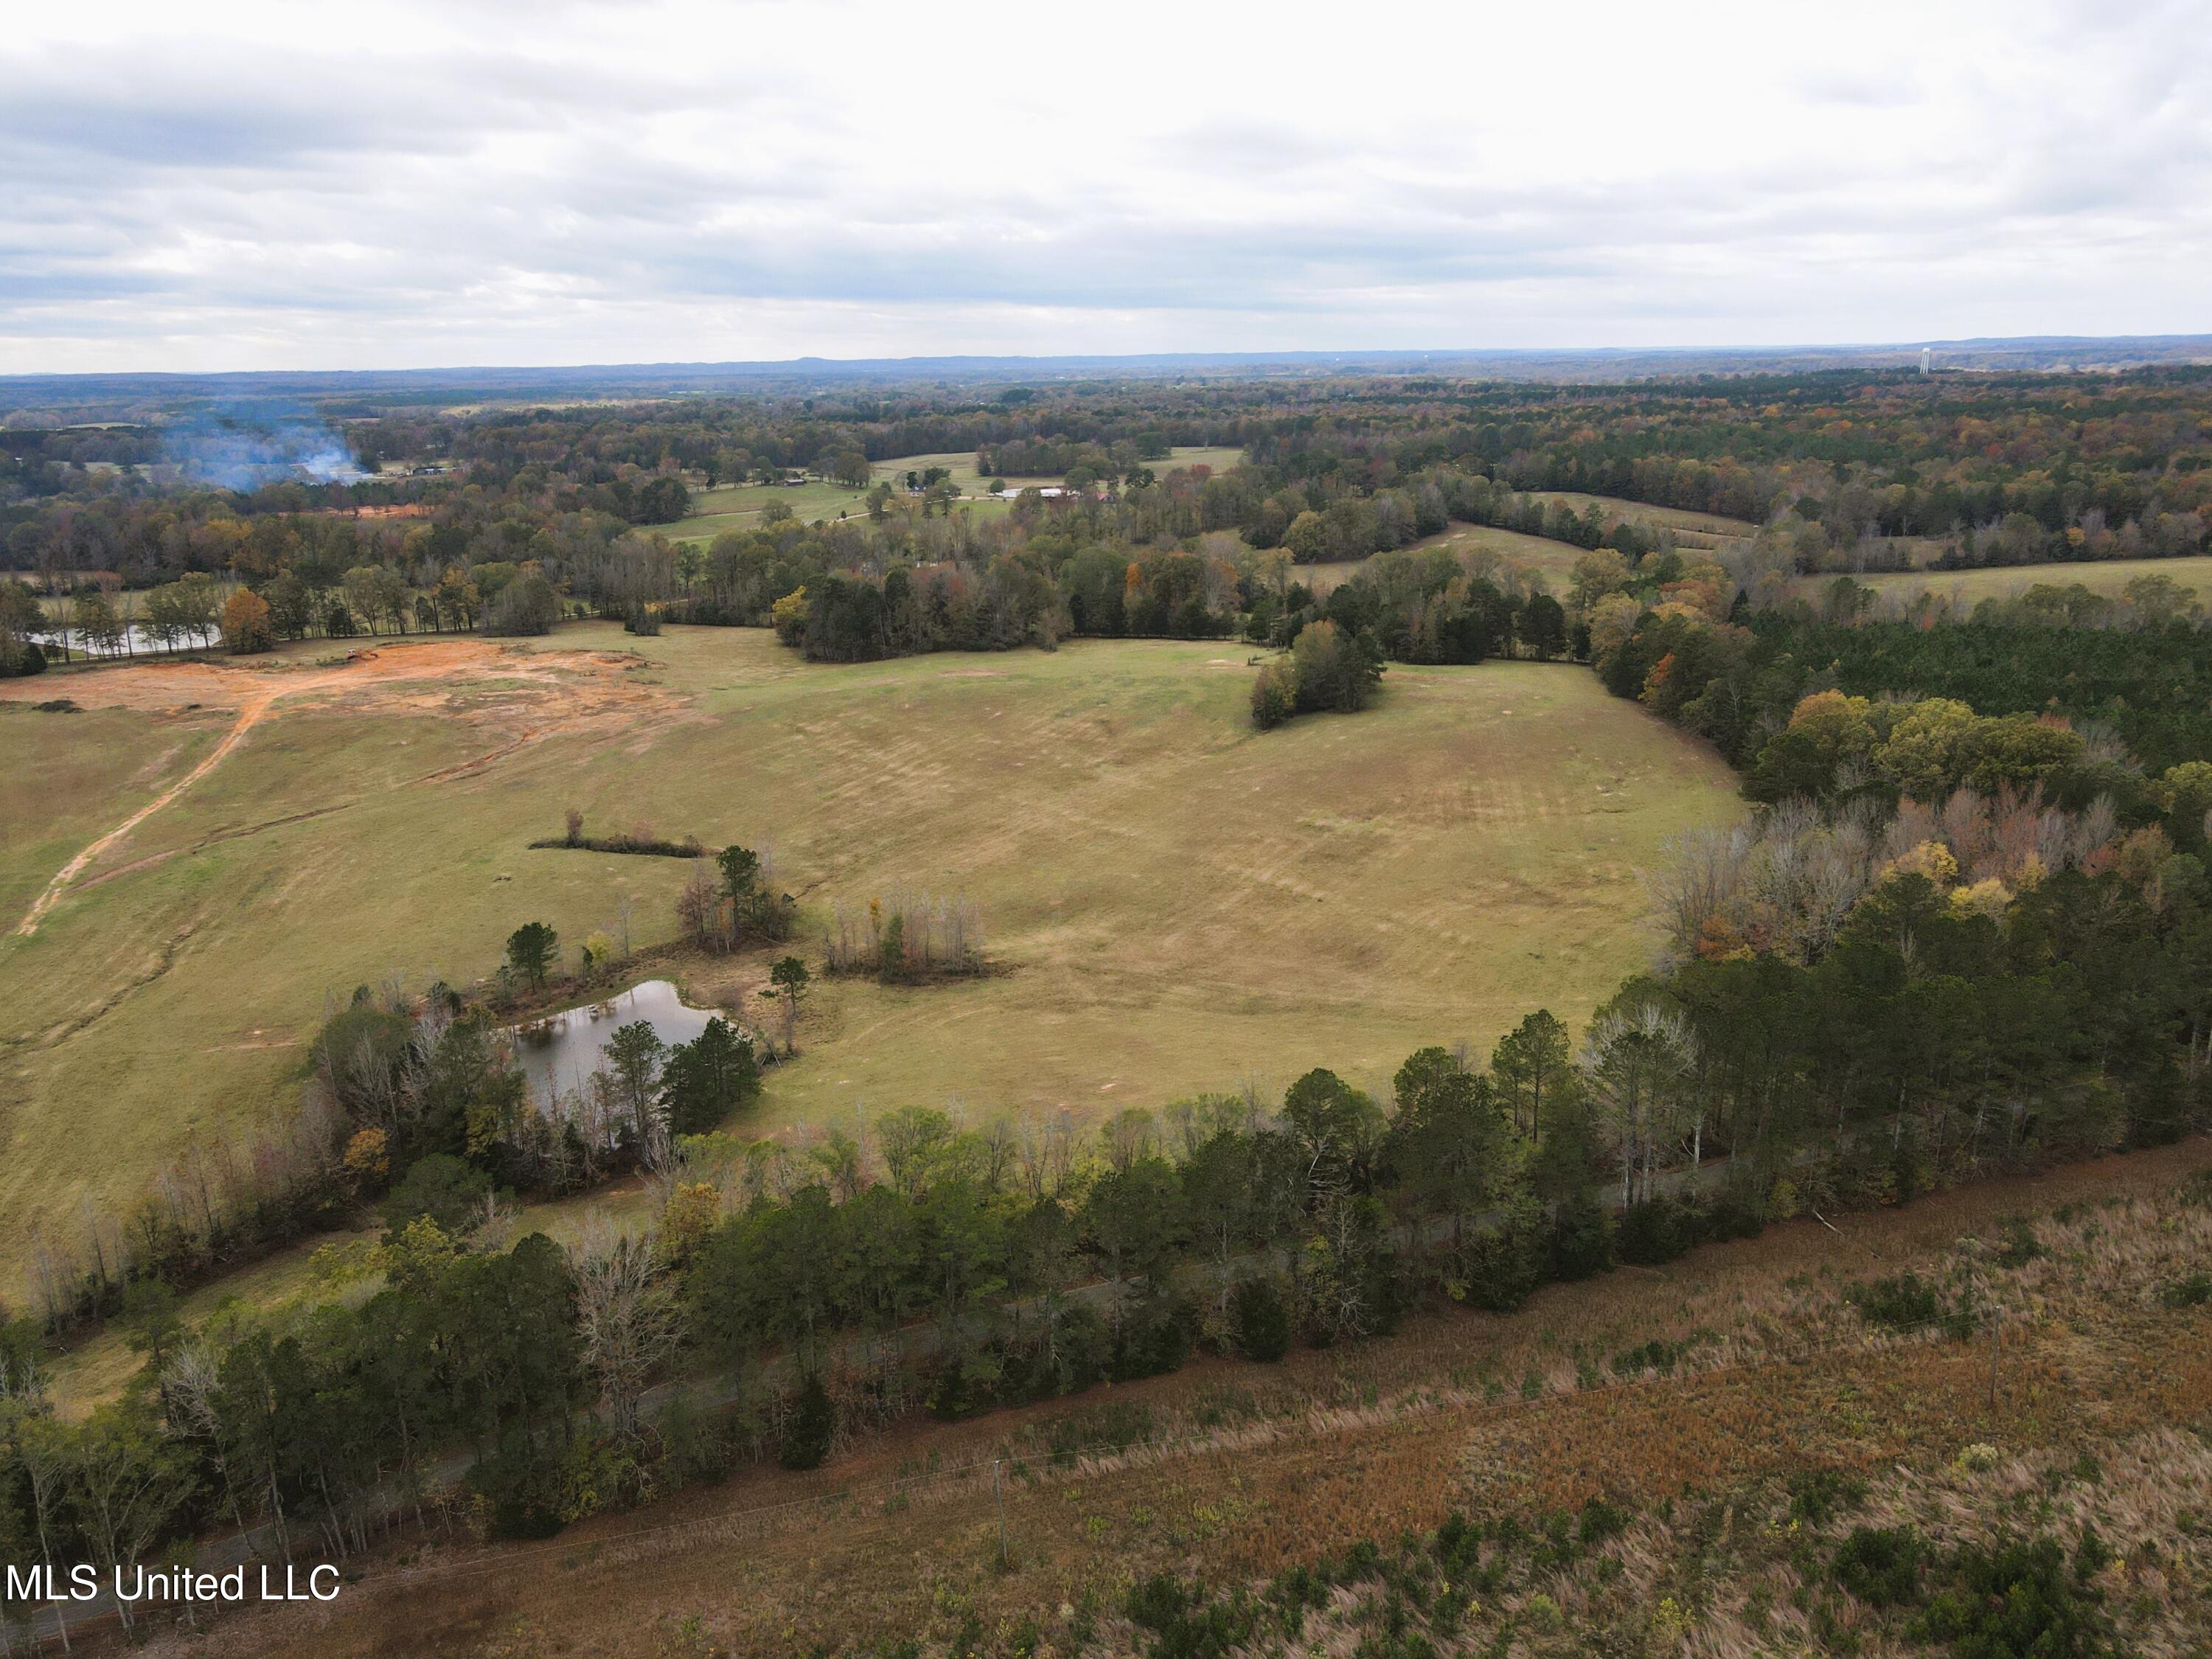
[
  {"x": 2108, "y": 576},
  {"x": 1173, "y": 903},
  {"x": 738, "y": 506}
]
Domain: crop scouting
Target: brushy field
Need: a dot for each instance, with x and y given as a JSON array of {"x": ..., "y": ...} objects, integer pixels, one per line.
[
  {"x": 2106, "y": 576},
  {"x": 1171, "y": 902},
  {"x": 1233, "y": 1471},
  {"x": 738, "y": 506}
]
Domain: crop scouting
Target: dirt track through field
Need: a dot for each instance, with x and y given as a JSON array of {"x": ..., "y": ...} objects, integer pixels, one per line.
[
  {"x": 249, "y": 715},
  {"x": 255, "y": 692}
]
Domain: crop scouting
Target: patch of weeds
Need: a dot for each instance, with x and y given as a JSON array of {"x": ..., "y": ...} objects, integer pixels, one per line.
[
  {"x": 1906, "y": 1302},
  {"x": 1817, "y": 1496},
  {"x": 2193, "y": 1291},
  {"x": 2020, "y": 1246}
]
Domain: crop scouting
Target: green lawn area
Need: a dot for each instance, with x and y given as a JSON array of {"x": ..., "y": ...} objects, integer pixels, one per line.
[
  {"x": 1669, "y": 518},
  {"x": 738, "y": 506}
]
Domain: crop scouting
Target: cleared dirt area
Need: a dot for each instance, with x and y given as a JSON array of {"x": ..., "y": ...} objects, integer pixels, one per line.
[{"x": 567, "y": 692}]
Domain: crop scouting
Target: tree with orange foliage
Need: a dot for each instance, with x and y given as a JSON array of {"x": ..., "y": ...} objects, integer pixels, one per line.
[{"x": 246, "y": 626}]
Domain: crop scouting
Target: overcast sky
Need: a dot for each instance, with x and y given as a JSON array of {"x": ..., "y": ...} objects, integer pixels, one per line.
[{"x": 372, "y": 184}]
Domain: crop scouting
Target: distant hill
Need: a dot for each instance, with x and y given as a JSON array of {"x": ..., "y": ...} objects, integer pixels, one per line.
[{"x": 40, "y": 399}]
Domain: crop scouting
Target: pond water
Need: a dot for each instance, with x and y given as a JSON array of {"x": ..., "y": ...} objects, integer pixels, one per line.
[
  {"x": 558, "y": 1053},
  {"x": 140, "y": 644}
]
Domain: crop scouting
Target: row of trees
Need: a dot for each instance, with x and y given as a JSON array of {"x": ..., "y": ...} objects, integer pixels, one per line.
[{"x": 2141, "y": 693}]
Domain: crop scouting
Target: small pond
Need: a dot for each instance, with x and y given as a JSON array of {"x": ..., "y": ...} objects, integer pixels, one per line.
[{"x": 558, "y": 1053}]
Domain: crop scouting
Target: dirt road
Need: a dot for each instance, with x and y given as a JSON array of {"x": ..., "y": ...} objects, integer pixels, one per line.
[{"x": 577, "y": 685}]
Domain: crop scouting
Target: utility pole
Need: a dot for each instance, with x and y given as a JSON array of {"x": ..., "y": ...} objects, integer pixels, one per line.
[{"x": 998, "y": 1497}]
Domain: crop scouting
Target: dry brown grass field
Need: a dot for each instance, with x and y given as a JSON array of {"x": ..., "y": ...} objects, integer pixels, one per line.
[
  {"x": 1171, "y": 902},
  {"x": 1235, "y": 1472}
]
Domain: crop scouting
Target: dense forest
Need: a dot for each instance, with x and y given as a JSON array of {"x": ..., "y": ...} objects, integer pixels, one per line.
[{"x": 1841, "y": 471}]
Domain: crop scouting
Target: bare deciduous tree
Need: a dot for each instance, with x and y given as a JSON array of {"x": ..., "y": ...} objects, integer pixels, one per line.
[{"x": 626, "y": 1321}]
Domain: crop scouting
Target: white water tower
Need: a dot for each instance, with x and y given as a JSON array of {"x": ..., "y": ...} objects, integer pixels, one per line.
[{"x": 1927, "y": 360}]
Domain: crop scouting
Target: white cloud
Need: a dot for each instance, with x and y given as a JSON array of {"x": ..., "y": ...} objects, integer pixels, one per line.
[{"x": 418, "y": 185}]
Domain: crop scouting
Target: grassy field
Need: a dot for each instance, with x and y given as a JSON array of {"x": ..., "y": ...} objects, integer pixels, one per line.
[
  {"x": 1174, "y": 901},
  {"x": 738, "y": 506},
  {"x": 1554, "y": 561},
  {"x": 1700, "y": 524},
  {"x": 2108, "y": 576}
]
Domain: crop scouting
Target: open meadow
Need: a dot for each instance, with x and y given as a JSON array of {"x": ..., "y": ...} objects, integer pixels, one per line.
[
  {"x": 2105, "y": 576},
  {"x": 1699, "y": 529},
  {"x": 1171, "y": 902},
  {"x": 739, "y": 507},
  {"x": 1553, "y": 561}
]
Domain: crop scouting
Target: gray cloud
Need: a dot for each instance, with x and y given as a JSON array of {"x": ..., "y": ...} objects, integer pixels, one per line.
[{"x": 497, "y": 181}]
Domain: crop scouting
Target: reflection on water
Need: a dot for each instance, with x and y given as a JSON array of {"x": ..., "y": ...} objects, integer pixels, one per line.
[
  {"x": 139, "y": 643},
  {"x": 557, "y": 1054}
]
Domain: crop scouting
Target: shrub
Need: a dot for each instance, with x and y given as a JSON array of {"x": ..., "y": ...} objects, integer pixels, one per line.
[
  {"x": 1274, "y": 695},
  {"x": 1259, "y": 1319},
  {"x": 1581, "y": 1241},
  {"x": 2016, "y": 1601},
  {"x": 1652, "y": 1232},
  {"x": 28, "y": 658},
  {"x": 1881, "y": 1566},
  {"x": 1906, "y": 1302},
  {"x": 441, "y": 1187},
  {"x": 808, "y": 1432},
  {"x": 520, "y": 1482},
  {"x": 1501, "y": 1268},
  {"x": 2193, "y": 1291},
  {"x": 1817, "y": 1495},
  {"x": 2021, "y": 1246},
  {"x": 1186, "y": 1623},
  {"x": 1599, "y": 1521},
  {"x": 1152, "y": 1339}
]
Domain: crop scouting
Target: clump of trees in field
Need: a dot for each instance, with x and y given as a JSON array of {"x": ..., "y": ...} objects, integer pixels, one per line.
[
  {"x": 912, "y": 936},
  {"x": 21, "y": 619},
  {"x": 1326, "y": 669},
  {"x": 735, "y": 901}
]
